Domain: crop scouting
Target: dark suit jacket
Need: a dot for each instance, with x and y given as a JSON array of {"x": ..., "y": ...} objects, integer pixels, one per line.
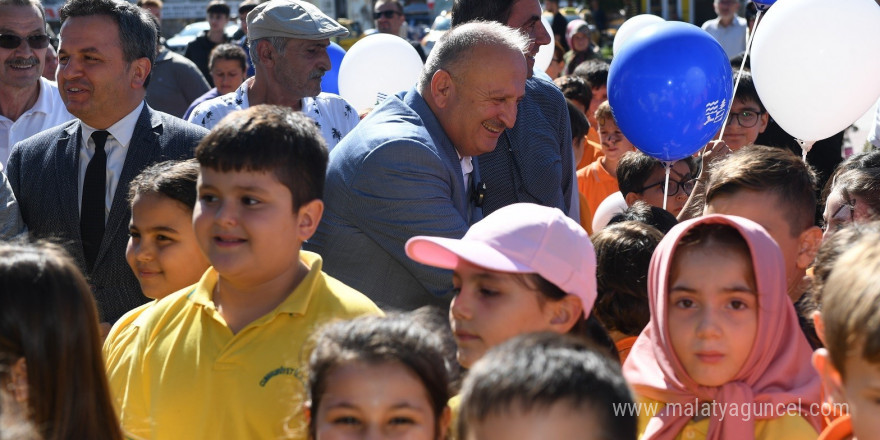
[
  {"x": 43, "y": 171},
  {"x": 396, "y": 175}
]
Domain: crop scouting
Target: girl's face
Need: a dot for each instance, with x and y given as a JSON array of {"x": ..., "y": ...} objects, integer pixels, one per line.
[
  {"x": 712, "y": 312},
  {"x": 491, "y": 307},
  {"x": 364, "y": 400},
  {"x": 580, "y": 42},
  {"x": 162, "y": 250}
]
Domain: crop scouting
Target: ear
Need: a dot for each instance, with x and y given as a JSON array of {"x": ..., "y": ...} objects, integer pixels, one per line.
[
  {"x": 632, "y": 198},
  {"x": 308, "y": 218},
  {"x": 445, "y": 421},
  {"x": 808, "y": 246},
  {"x": 19, "y": 381},
  {"x": 832, "y": 382},
  {"x": 265, "y": 53},
  {"x": 763, "y": 121},
  {"x": 819, "y": 325},
  {"x": 140, "y": 69},
  {"x": 565, "y": 313},
  {"x": 441, "y": 88}
]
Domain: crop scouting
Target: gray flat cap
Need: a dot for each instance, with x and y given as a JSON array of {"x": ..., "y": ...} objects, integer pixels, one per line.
[{"x": 292, "y": 19}]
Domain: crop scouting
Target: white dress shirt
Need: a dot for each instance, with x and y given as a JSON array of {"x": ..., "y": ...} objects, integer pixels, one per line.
[
  {"x": 116, "y": 148},
  {"x": 47, "y": 112}
]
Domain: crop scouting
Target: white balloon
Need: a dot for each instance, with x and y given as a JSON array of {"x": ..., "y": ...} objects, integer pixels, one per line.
[
  {"x": 545, "y": 52},
  {"x": 380, "y": 63},
  {"x": 815, "y": 64},
  {"x": 631, "y": 26}
]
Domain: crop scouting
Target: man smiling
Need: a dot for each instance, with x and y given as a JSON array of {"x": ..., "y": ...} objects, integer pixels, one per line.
[{"x": 406, "y": 170}]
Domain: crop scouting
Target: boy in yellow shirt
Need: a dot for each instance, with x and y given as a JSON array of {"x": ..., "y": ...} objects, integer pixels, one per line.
[{"x": 226, "y": 357}]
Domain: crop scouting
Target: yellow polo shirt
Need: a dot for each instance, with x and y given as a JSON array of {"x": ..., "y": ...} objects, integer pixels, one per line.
[{"x": 189, "y": 377}]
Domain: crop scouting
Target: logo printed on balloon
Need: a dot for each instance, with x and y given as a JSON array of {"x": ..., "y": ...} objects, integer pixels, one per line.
[{"x": 715, "y": 111}]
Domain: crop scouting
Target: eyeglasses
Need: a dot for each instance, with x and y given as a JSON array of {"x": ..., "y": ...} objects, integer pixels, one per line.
[
  {"x": 842, "y": 217},
  {"x": 746, "y": 119},
  {"x": 674, "y": 186},
  {"x": 386, "y": 14},
  {"x": 10, "y": 41}
]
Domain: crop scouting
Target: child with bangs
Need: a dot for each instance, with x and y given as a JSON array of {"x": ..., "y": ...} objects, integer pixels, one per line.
[{"x": 723, "y": 344}]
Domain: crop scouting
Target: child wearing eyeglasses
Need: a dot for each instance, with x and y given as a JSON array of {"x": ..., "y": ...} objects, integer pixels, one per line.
[{"x": 748, "y": 116}]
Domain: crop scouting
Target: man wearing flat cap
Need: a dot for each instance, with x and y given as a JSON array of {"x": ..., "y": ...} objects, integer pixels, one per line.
[{"x": 288, "y": 42}]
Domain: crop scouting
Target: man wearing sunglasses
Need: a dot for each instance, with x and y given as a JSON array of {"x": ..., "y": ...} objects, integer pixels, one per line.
[
  {"x": 29, "y": 104},
  {"x": 389, "y": 18}
]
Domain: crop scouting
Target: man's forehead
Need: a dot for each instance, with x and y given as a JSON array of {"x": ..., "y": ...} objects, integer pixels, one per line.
[
  {"x": 523, "y": 11},
  {"x": 20, "y": 16},
  {"x": 384, "y": 6}
]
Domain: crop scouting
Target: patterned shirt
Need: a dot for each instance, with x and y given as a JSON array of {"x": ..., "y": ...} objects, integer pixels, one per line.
[{"x": 333, "y": 115}]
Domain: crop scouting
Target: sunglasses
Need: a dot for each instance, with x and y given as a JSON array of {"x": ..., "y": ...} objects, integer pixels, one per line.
[
  {"x": 10, "y": 41},
  {"x": 386, "y": 14}
]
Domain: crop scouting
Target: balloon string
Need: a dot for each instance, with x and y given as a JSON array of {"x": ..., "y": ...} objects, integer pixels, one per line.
[
  {"x": 668, "y": 166},
  {"x": 806, "y": 146},
  {"x": 739, "y": 73}
]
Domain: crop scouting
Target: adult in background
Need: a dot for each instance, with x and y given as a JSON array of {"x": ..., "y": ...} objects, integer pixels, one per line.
[
  {"x": 389, "y": 18},
  {"x": 175, "y": 82},
  {"x": 29, "y": 103},
  {"x": 71, "y": 180},
  {"x": 534, "y": 161},
  {"x": 288, "y": 42},
  {"x": 409, "y": 168},
  {"x": 240, "y": 37},
  {"x": 228, "y": 66},
  {"x": 558, "y": 24},
  {"x": 199, "y": 49},
  {"x": 728, "y": 28}
]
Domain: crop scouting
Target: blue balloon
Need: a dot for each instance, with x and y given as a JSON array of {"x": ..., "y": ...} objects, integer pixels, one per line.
[
  {"x": 763, "y": 5},
  {"x": 330, "y": 81},
  {"x": 669, "y": 89}
]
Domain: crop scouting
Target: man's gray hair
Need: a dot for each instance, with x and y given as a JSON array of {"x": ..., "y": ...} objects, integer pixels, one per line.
[
  {"x": 457, "y": 44},
  {"x": 279, "y": 43}
]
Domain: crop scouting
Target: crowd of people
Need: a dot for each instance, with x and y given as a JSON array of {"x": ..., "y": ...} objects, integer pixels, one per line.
[{"x": 482, "y": 256}]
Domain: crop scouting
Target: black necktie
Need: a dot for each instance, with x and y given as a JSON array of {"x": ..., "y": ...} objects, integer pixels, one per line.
[{"x": 91, "y": 217}]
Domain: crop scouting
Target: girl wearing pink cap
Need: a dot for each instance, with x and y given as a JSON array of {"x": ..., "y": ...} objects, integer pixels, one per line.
[
  {"x": 723, "y": 356},
  {"x": 524, "y": 268}
]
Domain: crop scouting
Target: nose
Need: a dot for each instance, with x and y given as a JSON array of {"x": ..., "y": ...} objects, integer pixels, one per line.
[
  {"x": 508, "y": 114},
  {"x": 541, "y": 36},
  {"x": 708, "y": 326},
  {"x": 460, "y": 308},
  {"x": 324, "y": 62},
  {"x": 226, "y": 214},
  {"x": 144, "y": 251}
]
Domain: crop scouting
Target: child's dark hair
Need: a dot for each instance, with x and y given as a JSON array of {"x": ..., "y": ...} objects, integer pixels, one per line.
[
  {"x": 228, "y": 51},
  {"x": 863, "y": 183},
  {"x": 870, "y": 159},
  {"x": 589, "y": 328},
  {"x": 623, "y": 255},
  {"x": 594, "y": 71},
  {"x": 48, "y": 317},
  {"x": 829, "y": 252},
  {"x": 376, "y": 340},
  {"x": 746, "y": 90},
  {"x": 533, "y": 372},
  {"x": 576, "y": 89},
  {"x": 851, "y": 312},
  {"x": 767, "y": 169},
  {"x": 579, "y": 124},
  {"x": 636, "y": 167},
  {"x": 642, "y": 212},
  {"x": 715, "y": 236},
  {"x": 274, "y": 139},
  {"x": 173, "y": 179}
]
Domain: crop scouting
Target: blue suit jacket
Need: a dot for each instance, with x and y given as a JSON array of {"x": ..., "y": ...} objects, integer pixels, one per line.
[
  {"x": 396, "y": 175},
  {"x": 43, "y": 172}
]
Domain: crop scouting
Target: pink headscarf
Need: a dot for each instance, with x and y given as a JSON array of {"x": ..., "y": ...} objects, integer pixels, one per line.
[
  {"x": 777, "y": 371},
  {"x": 573, "y": 27}
]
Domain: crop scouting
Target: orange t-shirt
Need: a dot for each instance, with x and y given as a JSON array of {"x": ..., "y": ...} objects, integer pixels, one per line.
[
  {"x": 592, "y": 148},
  {"x": 586, "y": 215},
  {"x": 624, "y": 346},
  {"x": 595, "y": 184},
  {"x": 839, "y": 429}
]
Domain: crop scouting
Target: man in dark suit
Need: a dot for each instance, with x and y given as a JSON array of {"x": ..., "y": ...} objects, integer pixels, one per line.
[
  {"x": 406, "y": 169},
  {"x": 71, "y": 181}
]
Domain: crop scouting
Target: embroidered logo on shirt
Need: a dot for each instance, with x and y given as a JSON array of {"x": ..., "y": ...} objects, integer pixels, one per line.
[{"x": 282, "y": 370}]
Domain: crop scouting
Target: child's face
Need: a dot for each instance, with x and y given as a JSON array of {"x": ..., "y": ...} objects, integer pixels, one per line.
[
  {"x": 560, "y": 421},
  {"x": 861, "y": 391},
  {"x": 580, "y": 42},
  {"x": 491, "y": 307},
  {"x": 614, "y": 143},
  {"x": 365, "y": 400},
  {"x": 245, "y": 224},
  {"x": 162, "y": 251},
  {"x": 600, "y": 95},
  {"x": 577, "y": 144},
  {"x": 712, "y": 312},
  {"x": 736, "y": 135},
  {"x": 654, "y": 195}
]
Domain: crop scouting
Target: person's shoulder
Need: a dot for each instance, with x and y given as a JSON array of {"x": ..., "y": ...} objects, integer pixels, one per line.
[
  {"x": 172, "y": 307},
  {"x": 209, "y": 112},
  {"x": 334, "y": 296},
  {"x": 172, "y": 126},
  {"x": 46, "y": 138},
  {"x": 788, "y": 427}
]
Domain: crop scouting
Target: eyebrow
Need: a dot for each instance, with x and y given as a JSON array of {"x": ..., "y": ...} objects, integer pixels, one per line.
[
  {"x": 727, "y": 290},
  {"x": 154, "y": 229},
  {"x": 349, "y": 405}
]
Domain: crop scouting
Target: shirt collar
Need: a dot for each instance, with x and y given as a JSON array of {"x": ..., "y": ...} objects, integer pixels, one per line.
[
  {"x": 122, "y": 130},
  {"x": 44, "y": 99}
]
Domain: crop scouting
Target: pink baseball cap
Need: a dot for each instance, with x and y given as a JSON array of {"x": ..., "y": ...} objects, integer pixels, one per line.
[{"x": 520, "y": 238}]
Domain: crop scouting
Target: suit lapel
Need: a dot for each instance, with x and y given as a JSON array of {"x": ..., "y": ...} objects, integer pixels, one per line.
[
  {"x": 67, "y": 178},
  {"x": 142, "y": 151}
]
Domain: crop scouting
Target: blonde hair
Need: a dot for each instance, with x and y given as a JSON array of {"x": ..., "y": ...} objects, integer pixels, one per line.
[{"x": 603, "y": 113}]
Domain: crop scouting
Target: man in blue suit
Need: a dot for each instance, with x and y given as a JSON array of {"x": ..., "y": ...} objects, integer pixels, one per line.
[
  {"x": 71, "y": 181},
  {"x": 407, "y": 169}
]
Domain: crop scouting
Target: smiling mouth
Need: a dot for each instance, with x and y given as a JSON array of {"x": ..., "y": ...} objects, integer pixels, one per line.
[{"x": 492, "y": 127}]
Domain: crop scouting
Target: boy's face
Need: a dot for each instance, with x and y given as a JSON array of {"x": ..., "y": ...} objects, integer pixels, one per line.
[
  {"x": 653, "y": 196},
  {"x": 577, "y": 144},
  {"x": 217, "y": 21},
  {"x": 246, "y": 226},
  {"x": 766, "y": 209},
  {"x": 735, "y": 134},
  {"x": 860, "y": 392},
  {"x": 614, "y": 143},
  {"x": 559, "y": 421},
  {"x": 600, "y": 95}
]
